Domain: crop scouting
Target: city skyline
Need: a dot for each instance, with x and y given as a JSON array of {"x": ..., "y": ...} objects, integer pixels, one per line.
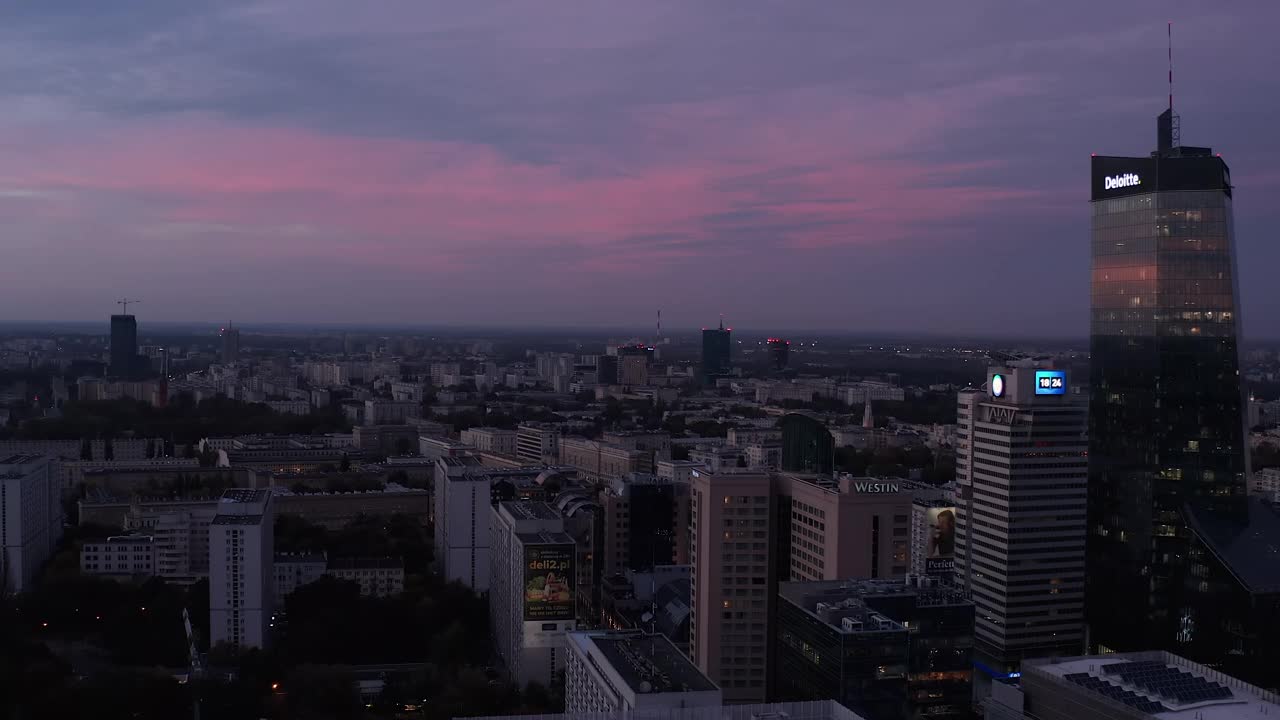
[{"x": 587, "y": 163}]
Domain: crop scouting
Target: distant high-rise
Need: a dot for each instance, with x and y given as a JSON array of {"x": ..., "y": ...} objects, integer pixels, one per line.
[
  {"x": 1022, "y": 468},
  {"x": 716, "y": 352},
  {"x": 734, "y": 581},
  {"x": 778, "y": 351},
  {"x": 1167, "y": 414},
  {"x": 807, "y": 444},
  {"x": 241, "y": 575},
  {"x": 124, "y": 346},
  {"x": 230, "y": 345}
]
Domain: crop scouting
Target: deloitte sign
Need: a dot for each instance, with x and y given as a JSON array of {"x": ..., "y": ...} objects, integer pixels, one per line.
[{"x": 1115, "y": 182}]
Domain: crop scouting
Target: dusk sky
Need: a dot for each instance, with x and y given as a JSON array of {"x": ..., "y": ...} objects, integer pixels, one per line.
[{"x": 900, "y": 166}]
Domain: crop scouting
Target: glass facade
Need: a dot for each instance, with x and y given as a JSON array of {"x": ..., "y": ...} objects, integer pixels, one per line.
[
  {"x": 1166, "y": 420},
  {"x": 807, "y": 445},
  {"x": 717, "y": 349}
]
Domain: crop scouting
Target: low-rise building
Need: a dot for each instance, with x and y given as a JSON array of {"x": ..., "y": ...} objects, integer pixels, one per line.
[
  {"x": 490, "y": 439},
  {"x": 378, "y": 577},
  {"x": 630, "y": 672},
  {"x": 123, "y": 555},
  {"x": 293, "y": 570}
]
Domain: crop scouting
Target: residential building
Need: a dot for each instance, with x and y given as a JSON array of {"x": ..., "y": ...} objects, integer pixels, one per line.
[
  {"x": 631, "y": 672},
  {"x": 241, "y": 578},
  {"x": 1022, "y": 471},
  {"x": 293, "y": 570},
  {"x": 531, "y": 590},
  {"x": 734, "y": 580},
  {"x": 30, "y": 519},
  {"x": 491, "y": 440},
  {"x": 463, "y": 494},
  {"x": 885, "y": 648},
  {"x": 1167, "y": 408},
  {"x": 121, "y": 555},
  {"x": 377, "y": 577},
  {"x": 1265, "y": 484}
]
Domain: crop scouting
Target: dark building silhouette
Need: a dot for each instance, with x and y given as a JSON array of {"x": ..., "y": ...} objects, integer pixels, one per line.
[
  {"x": 778, "y": 351},
  {"x": 124, "y": 346},
  {"x": 883, "y": 648},
  {"x": 230, "y": 345},
  {"x": 807, "y": 445},
  {"x": 1166, "y": 418},
  {"x": 607, "y": 369},
  {"x": 717, "y": 350}
]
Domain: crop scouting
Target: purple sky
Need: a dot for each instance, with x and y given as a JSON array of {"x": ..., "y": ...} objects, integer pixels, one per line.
[{"x": 841, "y": 165}]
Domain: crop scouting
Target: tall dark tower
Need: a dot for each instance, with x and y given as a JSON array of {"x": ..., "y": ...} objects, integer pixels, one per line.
[
  {"x": 778, "y": 351},
  {"x": 124, "y": 346},
  {"x": 716, "y": 352},
  {"x": 1167, "y": 437}
]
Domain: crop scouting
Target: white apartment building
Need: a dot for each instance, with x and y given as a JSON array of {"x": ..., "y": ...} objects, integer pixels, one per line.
[
  {"x": 630, "y": 672},
  {"x": 531, "y": 589},
  {"x": 293, "y": 570},
  {"x": 241, "y": 579},
  {"x": 180, "y": 529},
  {"x": 1266, "y": 484},
  {"x": 491, "y": 439},
  {"x": 1022, "y": 471},
  {"x": 462, "y": 517},
  {"x": 119, "y": 555},
  {"x": 30, "y": 518}
]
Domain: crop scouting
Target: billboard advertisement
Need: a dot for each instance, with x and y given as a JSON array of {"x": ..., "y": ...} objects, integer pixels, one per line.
[
  {"x": 940, "y": 551},
  {"x": 1051, "y": 382},
  {"x": 548, "y": 582}
]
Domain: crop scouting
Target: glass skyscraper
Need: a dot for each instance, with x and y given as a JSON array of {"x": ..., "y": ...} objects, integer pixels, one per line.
[
  {"x": 1166, "y": 417},
  {"x": 124, "y": 346},
  {"x": 717, "y": 348}
]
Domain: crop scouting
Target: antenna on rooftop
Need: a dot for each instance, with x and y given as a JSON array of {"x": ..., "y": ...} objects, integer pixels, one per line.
[
  {"x": 126, "y": 302},
  {"x": 1176, "y": 124}
]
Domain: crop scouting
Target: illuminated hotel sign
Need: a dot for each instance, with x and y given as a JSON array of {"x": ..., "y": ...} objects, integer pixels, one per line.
[
  {"x": 876, "y": 487},
  {"x": 1051, "y": 382},
  {"x": 1115, "y": 182}
]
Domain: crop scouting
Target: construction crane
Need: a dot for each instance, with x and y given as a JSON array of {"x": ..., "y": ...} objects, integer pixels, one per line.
[{"x": 126, "y": 302}]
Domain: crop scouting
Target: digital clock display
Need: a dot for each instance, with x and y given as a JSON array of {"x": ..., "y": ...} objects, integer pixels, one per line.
[{"x": 1051, "y": 382}]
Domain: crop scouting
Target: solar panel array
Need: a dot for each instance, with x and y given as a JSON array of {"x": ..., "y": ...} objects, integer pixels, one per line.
[
  {"x": 1168, "y": 683},
  {"x": 1115, "y": 692}
]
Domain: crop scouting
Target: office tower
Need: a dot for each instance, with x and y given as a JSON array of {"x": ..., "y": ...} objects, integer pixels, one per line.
[
  {"x": 537, "y": 443},
  {"x": 734, "y": 581},
  {"x": 607, "y": 369},
  {"x": 1022, "y": 470},
  {"x": 124, "y": 346},
  {"x": 633, "y": 365},
  {"x": 807, "y": 445},
  {"x": 628, "y": 671},
  {"x": 241, "y": 576},
  {"x": 778, "y": 351},
  {"x": 834, "y": 528},
  {"x": 716, "y": 352},
  {"x": 30, "y": 518},
  {"x": 531, "y": 590},
  {"x": 230, "y": 345},
  {"x": 884, "y": 648},
  {"x": 646, "y": 523},
  {"x": 1166, "y": 425},
  {"x": 1129, "y": 686},
  {"x": 463, "y": 493}
]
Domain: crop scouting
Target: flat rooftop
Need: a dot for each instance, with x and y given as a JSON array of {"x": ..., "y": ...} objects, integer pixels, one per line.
[
  {"x": 649, "y": 663},
  {"x": 245, "y": 495},
  {"x": 1161, "y": 685},
  {"x": 20, "y": 459},
  {"x": 530, "y": 510},
  {"x": 545, "y": 538}
]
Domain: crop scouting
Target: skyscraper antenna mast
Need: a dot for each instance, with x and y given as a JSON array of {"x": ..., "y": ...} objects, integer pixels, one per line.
[
  {"x": 126, "y": 302},
  {"x": 1175, "y": 121}
]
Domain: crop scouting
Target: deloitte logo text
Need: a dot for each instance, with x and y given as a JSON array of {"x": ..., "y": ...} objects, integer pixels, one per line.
[{"x": 1121, "y": 181}]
